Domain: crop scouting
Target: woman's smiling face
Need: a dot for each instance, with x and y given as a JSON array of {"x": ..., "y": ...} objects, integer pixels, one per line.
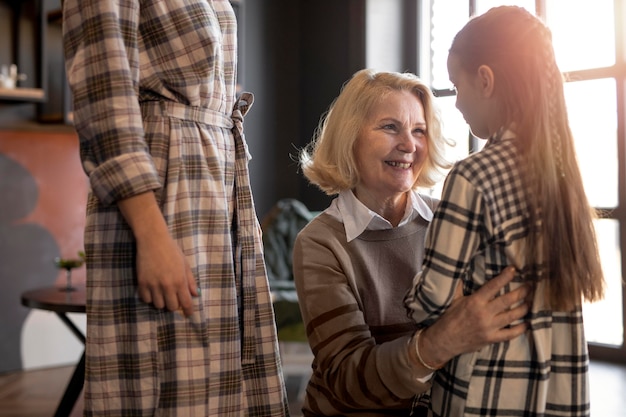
[{"x": 391, "y": 147}]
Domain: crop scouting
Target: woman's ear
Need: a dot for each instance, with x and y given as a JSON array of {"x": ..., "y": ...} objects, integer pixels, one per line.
[{"x": 487, "y": 80}]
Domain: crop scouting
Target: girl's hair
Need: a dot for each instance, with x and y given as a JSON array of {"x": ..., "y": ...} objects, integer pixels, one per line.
[
  {"x": 328, "y": 160},
  {"x": 517, "y": 46}
]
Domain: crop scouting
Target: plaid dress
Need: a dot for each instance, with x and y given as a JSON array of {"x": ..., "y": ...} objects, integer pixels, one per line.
[
  {"x": 153, "y": 84},
  {"x": 477, "y": 230}
]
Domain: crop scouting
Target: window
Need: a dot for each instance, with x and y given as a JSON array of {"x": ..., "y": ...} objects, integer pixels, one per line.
[{"x": 588, "y": 38}]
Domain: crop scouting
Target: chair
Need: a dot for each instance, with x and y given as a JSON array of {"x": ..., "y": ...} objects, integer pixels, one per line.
[{"x": 280, "y": 228}]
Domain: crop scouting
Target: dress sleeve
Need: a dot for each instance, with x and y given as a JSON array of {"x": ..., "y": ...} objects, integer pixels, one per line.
[
  {"x": 349, "y": 367},
  {"x": 100, "y": 40},
  {"x": 452, "y": 240}
]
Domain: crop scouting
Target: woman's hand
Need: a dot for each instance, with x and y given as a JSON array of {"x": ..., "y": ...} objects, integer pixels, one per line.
[
  {"x": 474, "y": 321},
  {"x": 164, "y": 277}
]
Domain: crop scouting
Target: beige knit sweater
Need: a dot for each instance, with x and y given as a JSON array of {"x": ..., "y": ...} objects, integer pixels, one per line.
[{"x": 350, "y": 295}]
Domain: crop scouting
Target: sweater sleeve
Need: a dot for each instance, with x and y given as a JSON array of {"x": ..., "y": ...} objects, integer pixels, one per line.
[
  {"x": 351, "y": 371},
  {"x": 452, "y": 240}
]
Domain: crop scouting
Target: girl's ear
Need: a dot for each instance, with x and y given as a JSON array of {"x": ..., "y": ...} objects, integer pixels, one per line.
[{"x": 487, "y": 80}]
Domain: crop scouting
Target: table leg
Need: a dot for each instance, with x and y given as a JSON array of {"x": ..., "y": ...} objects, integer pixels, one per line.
[
  {"x": 73, "y": 390},
  {"x": 75, "y": 386},
  {"x": 70, "y": 324}
]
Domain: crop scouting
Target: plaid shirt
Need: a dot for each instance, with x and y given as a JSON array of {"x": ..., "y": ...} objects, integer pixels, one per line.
[
  {"x": 153, "y": 84},
  {"x": 479, "y": 229}
]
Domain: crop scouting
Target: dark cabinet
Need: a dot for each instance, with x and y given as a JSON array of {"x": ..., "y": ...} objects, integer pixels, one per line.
[
  {"x": 24, "y": 46},
  {"x": 57, "y": 107},
  {"x": 32, "y": 42}
]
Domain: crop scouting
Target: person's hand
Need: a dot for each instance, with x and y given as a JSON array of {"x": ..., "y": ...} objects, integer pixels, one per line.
[
  {"x": 163, "y": 276},
  {"x": 475, "y": 321}
]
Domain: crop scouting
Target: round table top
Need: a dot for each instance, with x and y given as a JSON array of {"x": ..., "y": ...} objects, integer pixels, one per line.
[{"x": 56, "y": 299}]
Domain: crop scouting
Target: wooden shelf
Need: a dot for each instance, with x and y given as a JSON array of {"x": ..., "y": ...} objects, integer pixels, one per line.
[{"x": 22, "y": 94}]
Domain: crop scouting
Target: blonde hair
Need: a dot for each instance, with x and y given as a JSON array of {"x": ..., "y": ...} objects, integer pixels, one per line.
[
  {"x": 517, "y": 46},
  {"x": 328, "y": 161}
]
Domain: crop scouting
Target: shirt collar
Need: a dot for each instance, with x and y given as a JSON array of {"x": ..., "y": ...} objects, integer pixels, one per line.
[{"x": 357, "y": 218}]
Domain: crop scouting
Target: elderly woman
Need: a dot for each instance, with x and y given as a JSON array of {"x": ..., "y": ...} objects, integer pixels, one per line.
[{"x": 353, "y": 263}]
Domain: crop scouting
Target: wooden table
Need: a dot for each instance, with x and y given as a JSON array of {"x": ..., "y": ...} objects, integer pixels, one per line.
[{"x": 61, "y": 302}]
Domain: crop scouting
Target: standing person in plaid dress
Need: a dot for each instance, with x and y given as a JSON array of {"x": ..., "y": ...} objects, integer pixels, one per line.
[
  {"x": 179, "y": 316},
  {"x": 519, "y": 201}
]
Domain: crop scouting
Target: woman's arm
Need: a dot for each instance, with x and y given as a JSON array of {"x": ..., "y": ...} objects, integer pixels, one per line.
[
  {"x": 102, "y": 61},
  {"x": 100, "y": 40},
  {"x": 164, "y": 277},
  {"x": 350, "y": 369}
]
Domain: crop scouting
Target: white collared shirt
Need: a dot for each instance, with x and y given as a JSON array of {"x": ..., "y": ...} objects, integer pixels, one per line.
[{"x": 357, "y": 218}]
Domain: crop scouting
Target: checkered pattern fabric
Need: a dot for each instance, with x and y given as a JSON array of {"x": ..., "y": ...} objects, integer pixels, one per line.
[
  {"x": 479, "y": 229},
  {"x": 154, "y": 90}
]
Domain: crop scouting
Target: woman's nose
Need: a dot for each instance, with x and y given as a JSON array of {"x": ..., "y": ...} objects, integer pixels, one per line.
[
  {"x": 405, "y": 142},
  {"x": 410, "y": 143}
]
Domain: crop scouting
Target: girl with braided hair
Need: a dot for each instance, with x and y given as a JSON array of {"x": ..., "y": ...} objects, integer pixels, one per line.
[{"x": 520, "y": 201}]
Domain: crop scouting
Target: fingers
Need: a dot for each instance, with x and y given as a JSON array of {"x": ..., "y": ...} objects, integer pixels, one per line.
[
  {"x": 159, "y": 297},
  {"x": 484, "y": 317},
  {"x": 179, "y": 297},
  {"x": 170, "y": 294},
  {"x": 178, "y": 294},
  {"x": 513, "y": 298},
  {"x": 192, "y": 285},
  {"x": 499, "y": 303},
  {"x": 144, "y": 294},
  {"x": 510, "y": 333},
  {"x": 186, "y": 294},
  {"x": 493, "y": 286},
  {"x": 512, "y": 315},
  {"x": 186, "y": 301},
  {"x": 170, "y": 299},
  {"x": 164, "y": 278}
]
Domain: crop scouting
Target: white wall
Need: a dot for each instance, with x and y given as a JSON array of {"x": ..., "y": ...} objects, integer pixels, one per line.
[
  {"x": 384, "y": 35},
  {"x": 47, "y": 342}
]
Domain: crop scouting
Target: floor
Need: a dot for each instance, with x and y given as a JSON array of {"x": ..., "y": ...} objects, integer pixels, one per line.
[
  {"x": 36, "y": 393},
  {"x": 607, "y": 389}
]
